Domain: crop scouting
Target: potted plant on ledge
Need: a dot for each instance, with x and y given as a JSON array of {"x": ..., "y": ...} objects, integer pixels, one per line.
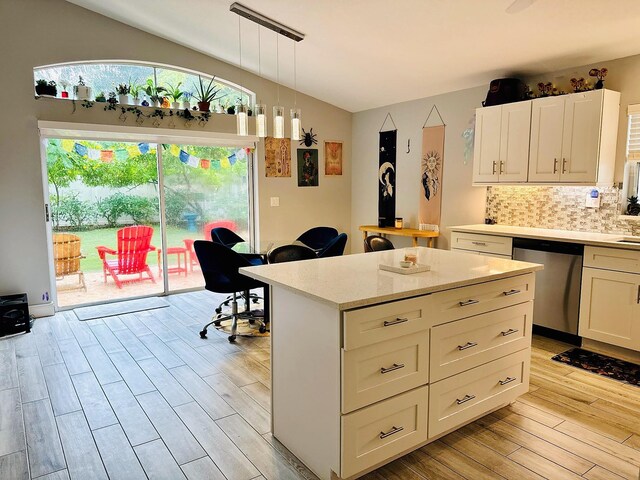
[
  {"x": 205, "y": 94},
  {"x": 155, "y": 93},
  {"x": 134, "y": 90},
  {"x": 175, "y": 94},
  {"x": 81, "y": 90},
  {"x": 123, "y": 93},
  {"x": 186, "y": 100}
]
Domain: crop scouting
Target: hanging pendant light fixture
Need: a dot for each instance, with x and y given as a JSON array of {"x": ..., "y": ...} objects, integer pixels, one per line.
[
  {"x": 296, "y": 113},
  {"x": 278, "y": 110},
  {"x": 260, "y": 110},
  {"x": 242, "y": 120}
]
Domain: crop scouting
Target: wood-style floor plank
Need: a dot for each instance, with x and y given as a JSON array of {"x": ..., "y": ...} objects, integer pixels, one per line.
[
  {"x": 101, "y": 365},
  {"x": 107, "y": 339},
  {"x": 117, "y": 455},
  {"x": 158, "y": 462},
  {"x": 192, "y": 358},
  {"x": 131, "y": 417},
  {"x": 260, "y": 393},
  {"x": 131, "y": 343},
  {"x": 202, "y": 469},
  {"x": 429, "y": 467},
  {"x": 179, "y": 440},
  {"x": 83, "y": 459},
  {"x": 14, "y": 466},
  {"x": 94, "y": 403},
  {"x": 541, "y": 465},
  {"x": 73, "y": 357},
  {"x": 12, "y": 436},
  {"x": 160, "y": 350},
  {"x": 59, "y": 475},
  {"x": 32, "y": 384},
  {"x": 114, "y": 323},
  {"x": 206, "y": 396},
  {"x": 134, "y": 324},
  {"x": 229, "y": 459},
  {"x": 599, "y": 473},
  {"x": 47, "y": 346},
  {"x": 8, "y": 368},
  {"x": 43, "y": 441},
  {"x": 131, "y": 373},
  {"x": 165, "y": 383},
  {"x": 61, "y": 391}
]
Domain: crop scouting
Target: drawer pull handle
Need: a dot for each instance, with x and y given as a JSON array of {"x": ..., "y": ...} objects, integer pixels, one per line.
[
  {"x": 393, "y": 431},
  {"x": 395, "y": 366},
  {"x": 480, "y": 244},
  {"x": 507, "y": 380},
  {"x": 510, "y": 292},
  {"x": 638, "y": 296},
  {"x": 467, "y": 345},
  {"x": 388, "y": 323},
  {"x": 465, "y": 399},
  {"x": 468, "y": 302},
  {"x": 493, "y": 169},
  {"x": 511, "y": 331}
]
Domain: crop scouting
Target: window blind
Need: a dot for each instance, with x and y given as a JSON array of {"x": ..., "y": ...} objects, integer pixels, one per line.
[{"x": 633, "y": 135}]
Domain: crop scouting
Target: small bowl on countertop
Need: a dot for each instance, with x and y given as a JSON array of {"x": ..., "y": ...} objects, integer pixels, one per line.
[{"x": 405, "y": 263}]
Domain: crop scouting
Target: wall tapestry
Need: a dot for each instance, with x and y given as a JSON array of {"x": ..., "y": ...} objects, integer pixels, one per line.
[
  {"x": 387, "y": 175},
  {"x": 277, "y": 157},
  {"x": 307, "y": 167},
  {"x": 333, "y": 158},
  {"x": 431, "y": 169}
]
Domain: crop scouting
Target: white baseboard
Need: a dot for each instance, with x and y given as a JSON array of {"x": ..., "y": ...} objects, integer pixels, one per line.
[{"x": 42, "y": 310}]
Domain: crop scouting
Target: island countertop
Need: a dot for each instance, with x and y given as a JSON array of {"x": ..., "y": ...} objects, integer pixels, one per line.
[{"x": 352, "y": 281}]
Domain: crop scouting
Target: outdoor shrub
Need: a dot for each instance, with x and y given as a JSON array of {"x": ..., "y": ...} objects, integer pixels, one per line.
[
  {"x": 74, "y": 211},
  {"x": 141, "y": 209},
  {"x": 175, "y": 204},
  {"x": 113, "y": 207}
]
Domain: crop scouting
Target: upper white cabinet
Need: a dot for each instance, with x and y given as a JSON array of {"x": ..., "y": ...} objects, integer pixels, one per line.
[
  {"x": 572, "y": 140},
  {"x": 501, "y": 149}
]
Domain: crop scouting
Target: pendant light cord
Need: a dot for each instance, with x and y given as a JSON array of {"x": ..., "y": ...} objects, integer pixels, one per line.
[
  {"x": 240, "y": 54},
  {"x": 260, "y": 63},
  {"x": 278, "y": 66},
  {"x": 295, "y": 77}
]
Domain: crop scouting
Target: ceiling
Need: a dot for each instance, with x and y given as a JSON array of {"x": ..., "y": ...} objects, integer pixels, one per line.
[{"x": 362, "y": 54}]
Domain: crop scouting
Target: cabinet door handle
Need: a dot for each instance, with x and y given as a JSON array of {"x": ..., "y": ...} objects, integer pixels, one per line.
[
  {"x": 395, "y": 366},
  {"x": 493, "y": 168},
  {"x": 388, "y": 323},
  {"x": 468, "y": 302},
  {"x": 564, "y": 165},
  {"x": 511, "y": 331},
  {"x": 480, "y": 244},
  {"x": 501, "y": 165},
  {"x": 510, "y": 292},
  {"x": 467, "y": 345},
  {"x": 465, "y": 399},
  {"x": 507, "y": 380},
  {"x": 555, "y": 165},
  {"x": 393, "y": 431}
]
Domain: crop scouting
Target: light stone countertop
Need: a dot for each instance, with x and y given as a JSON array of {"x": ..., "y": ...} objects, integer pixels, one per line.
[
  {"x": 352, "y": 281},
  {"x": 568, "y": 236}
]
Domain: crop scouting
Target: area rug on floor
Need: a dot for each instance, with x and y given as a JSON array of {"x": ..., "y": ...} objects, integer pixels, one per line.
[
  {"x": 244, "y": 328},
  {"x": 601, "y": 364},
  {"x": 119, "y": 308}
]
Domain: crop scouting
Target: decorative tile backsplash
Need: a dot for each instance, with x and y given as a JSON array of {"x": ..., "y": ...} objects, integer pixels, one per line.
[{"x": 559, "y": 207}]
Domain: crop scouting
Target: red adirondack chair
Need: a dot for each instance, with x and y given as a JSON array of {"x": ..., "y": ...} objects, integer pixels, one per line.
[
  {"x": 134, "y": 243},
  {"x": 188, "y": 242}
]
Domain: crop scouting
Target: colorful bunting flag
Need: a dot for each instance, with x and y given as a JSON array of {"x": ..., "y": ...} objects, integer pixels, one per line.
[
  {"x": 93, "y": 154},
  {"x": 232, "y": 159},
  {"x": 81, "y": 149},
  {"x": 132, "y": 150},
  {"x": 121, "y": 155},
  {"x": 241, "y": 154},
  {"x": 224, "y": 163},
  {"x": 193, "y": 162},
  {"x": 68, "y": 145},
  {"x": 106, "y": 156},
  {"x": 204, "y": 163},
  {"x": 215, "y": 164},
  {"x": 143, "y": 147},
  {"x": 184, "y": 156},
  {"x": 174, "y": 150}
]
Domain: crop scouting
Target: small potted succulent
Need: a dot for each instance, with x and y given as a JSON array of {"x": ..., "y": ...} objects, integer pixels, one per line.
[
  {"x": 135, "y": 89},
  {"x": 81, "y": 90},
  {"x": 46, "y": 89},
  {"x": 123, "y": 91},
  {"x": 101, "y": 98},
  {"x": 231, "y": 109},
  {"x": 64, "y": 93},
  {"x": 175, "y": 94},
  {"x": 205, "y": 93},
  {"x": 186, "y": 100},
  {"x": 155, "y": 93}
]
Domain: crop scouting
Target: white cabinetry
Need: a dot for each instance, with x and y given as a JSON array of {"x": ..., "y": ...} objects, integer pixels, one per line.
[
  {"x": 501, "y": 149},
  {"x": 489, "y": 245},
  {"x": 570, "y": 139},
  {"x": 610, "y": 301}
]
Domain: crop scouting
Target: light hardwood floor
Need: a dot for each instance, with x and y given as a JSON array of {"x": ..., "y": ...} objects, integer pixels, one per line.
[{"x": 142, "y": 396}]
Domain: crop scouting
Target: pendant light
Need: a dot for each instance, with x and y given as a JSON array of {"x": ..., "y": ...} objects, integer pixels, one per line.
[
  {"x": 278, "y": 110},
  {"x": 242, "y": 120},
  {"x": 296, "y": 120},
  {"x": 260, "y": 110}
]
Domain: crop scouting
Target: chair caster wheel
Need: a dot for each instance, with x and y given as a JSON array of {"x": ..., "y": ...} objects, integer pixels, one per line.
[
  {"x": 217, "y": 323},
  {"x": 262, "y": 329},
  {"x": 203, "y": 334},
  {"x": 232, "y": 338}
]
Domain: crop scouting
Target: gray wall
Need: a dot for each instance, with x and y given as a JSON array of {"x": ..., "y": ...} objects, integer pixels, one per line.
[{"x": 42, "y": 32}]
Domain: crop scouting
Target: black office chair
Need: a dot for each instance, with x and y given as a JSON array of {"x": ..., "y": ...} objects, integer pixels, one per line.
[
  {"x": 229, "y": 238},
  {"x": 290, "y": 253},
  {"x": 220, "y": 266},
  {"x": 318, "y": 238},
  {"x": 335, "y": 248},
  {"x": 377, "y": 243}
]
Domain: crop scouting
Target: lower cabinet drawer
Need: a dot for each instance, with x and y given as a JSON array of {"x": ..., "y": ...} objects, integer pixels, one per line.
[
  {"x": 377, "y": 432},
  {"x": 481, "y": 243},
  {"x": 384, "y": 369},
  {"x": 460, "y": 398},
  {"x": 463, "y": 344}
]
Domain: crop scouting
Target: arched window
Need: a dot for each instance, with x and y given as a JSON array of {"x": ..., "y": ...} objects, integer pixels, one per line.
[{"x": 103, "y": 77}]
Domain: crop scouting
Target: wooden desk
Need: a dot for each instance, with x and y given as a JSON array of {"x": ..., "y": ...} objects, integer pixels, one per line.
[{"x": 401, "y": 232}]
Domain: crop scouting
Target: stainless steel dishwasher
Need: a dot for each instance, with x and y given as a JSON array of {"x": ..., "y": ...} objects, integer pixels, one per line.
[{"x": 557, "y": 296}]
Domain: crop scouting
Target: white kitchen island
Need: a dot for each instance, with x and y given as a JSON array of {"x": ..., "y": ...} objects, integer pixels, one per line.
[{"x": 368, "y": 365}]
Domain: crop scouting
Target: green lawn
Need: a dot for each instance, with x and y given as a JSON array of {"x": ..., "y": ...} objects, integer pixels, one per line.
[{"x": 90, "y": 239}]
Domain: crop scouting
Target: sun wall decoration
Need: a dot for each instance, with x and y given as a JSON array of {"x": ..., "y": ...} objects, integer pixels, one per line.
[{"x": 431, "y": 168}]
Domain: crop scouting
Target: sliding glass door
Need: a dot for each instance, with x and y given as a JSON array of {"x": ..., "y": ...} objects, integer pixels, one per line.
[{"x": 121, "y": 211}]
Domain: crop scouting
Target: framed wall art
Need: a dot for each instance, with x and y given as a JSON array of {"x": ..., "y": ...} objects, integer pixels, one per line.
[{"x": 332, "y": 158}]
